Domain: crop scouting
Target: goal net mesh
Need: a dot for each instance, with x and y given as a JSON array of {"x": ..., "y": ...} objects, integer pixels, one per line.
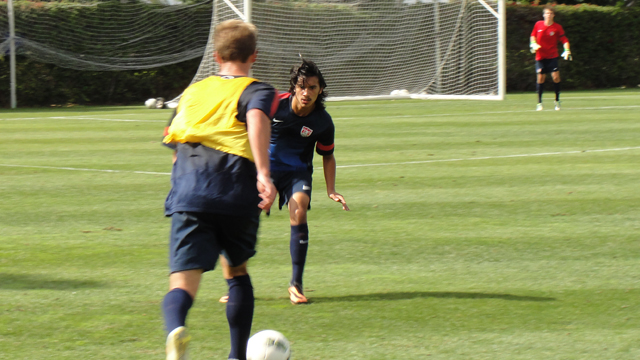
[
  {"x": 373, "y": 47},
  {"x": 364, "y": 47},
  {"x": 108, "y": 35}
]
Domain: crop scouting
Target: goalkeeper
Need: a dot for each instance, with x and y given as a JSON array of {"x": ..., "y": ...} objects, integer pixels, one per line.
[{"x": 544, "y": 43}]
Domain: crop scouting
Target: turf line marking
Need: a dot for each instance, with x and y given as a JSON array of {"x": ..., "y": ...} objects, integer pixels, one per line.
[
  {"x": 100, "y": 119},
  {"x": 564, "y": 97},
  {"x": 82, "y": 118},
  {"x": 84, "y": 169},
  {"x": 479, "y": 113},
  {"x": 488, "y": 157},
  {"x": 341, "y": 166},
  {"x": 337, "y": 118}
]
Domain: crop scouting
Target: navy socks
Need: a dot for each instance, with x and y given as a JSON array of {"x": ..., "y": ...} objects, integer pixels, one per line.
[
  {"x": 240, "y": 315},
  {"x": 175, "y": 306},
  {"x": 298, "y": 247},
  {"x": 540, "y": 89}
]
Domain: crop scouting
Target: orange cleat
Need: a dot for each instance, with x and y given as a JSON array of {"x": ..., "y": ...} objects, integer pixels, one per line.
[{"x": 296, "y": 296}]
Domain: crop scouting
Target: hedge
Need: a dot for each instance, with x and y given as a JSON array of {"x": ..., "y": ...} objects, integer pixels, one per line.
[{"x": 603, "y": 42}]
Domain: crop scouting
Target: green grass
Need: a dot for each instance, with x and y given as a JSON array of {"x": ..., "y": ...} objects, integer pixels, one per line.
[{"x": 478, "y": 230}]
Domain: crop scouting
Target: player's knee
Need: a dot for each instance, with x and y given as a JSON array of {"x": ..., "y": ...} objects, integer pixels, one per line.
[
  {"x": 231, "y": 272},
  {"x": 299, "y": 216}
]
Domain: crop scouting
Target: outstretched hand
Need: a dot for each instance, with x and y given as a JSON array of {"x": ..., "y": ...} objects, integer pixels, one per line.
[
  {"x": 339, "y": 198},
  {"x": 267, "y": 192}
]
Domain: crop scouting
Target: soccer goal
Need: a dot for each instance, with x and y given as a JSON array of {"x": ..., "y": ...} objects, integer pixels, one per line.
[
  {"x": 377, "y": 49},
  {"x": 367, "y": 49}
]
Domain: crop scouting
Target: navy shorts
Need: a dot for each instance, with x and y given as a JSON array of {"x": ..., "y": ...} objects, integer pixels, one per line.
[
  {"x": 546, "y": 66},
  {"x": 197, "y": 240},
  {"x": 291, "y": 182}
]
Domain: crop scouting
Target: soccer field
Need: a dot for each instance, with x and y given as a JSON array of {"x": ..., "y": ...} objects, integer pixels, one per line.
[{"x": 477, "y": 230}]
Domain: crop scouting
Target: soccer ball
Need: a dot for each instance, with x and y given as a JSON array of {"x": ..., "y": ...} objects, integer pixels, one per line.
[
  {"x": 268, "y": 345},
  {"x": 157, "y": 103},
  {"x": 403, "y": 92},
  {"x": 150, "y": 104}
]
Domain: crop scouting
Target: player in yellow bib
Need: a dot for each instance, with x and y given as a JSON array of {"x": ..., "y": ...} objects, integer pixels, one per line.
[{"x": 220, "y": 183}]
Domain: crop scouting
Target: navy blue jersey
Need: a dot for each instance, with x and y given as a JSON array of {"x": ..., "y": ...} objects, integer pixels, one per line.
[
  {"x": 293, "y": 138},
  {"x": 213, "y": 181}
]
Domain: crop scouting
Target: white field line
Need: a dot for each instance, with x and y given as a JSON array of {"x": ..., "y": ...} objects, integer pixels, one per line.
[
  {"x": 489, "y": 157},
  {"x": 482, "y": 113},
  {"x": 564, "y": 97},
  {"x": 344, "y": 166},
  {"x": 81, "y": 118},
  {"x": 84, "y": 169},
  {"x": 337, "y": 118}
]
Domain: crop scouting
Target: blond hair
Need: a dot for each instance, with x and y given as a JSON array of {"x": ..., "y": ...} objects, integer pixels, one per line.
[{"x": 235, "y": 40}]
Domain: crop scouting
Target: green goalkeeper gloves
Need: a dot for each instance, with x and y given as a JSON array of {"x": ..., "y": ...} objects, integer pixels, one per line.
[
  {"x": 534, "y": 47},
  {"x": 567, "y": 55}
]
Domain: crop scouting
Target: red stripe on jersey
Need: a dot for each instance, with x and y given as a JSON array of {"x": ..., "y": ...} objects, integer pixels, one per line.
[
  {"x": 284, "y": 96},
  {"x": 325, "y": 147},
  {"x": 166, "y": 131},
  {"x": 275, "y": 103}
]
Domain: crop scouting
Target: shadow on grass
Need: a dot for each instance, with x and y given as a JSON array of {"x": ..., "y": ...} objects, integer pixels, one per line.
[
  {"x": 425, "y": 294},
  {"x": 33, "y": 282}
]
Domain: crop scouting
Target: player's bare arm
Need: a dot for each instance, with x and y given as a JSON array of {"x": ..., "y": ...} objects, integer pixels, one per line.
[
  {"x": 259, "y": 131},
  {"x": 329, "y": 167}
]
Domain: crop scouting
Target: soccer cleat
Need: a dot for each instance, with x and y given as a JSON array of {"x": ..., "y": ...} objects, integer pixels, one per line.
[
  {"x": 224, "y": 299},
  {"x": 539, "y": 107},
  {"x": 177, "y": 342},
  {"x": 296, "y": 296},
  {"x": 557, "y": 105}
]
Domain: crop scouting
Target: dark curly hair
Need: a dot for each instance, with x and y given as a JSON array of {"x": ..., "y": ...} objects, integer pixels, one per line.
[{"x": 305, "y": 70}]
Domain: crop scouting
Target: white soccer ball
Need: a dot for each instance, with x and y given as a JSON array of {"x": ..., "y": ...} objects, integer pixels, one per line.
[
  {"x": 150, "y": 104},
  {"x": 403, "y": 92},
  {"x": 268, "y": 345}
]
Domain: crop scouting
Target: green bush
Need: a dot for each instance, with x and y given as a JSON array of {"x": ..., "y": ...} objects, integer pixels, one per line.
[{"x": 41, "y": 84}]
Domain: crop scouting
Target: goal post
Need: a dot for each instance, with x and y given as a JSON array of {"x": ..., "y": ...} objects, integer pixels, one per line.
[{"x": 378, "y": 49}]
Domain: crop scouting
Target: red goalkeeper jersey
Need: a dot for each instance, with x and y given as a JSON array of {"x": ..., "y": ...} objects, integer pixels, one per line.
[{"x": 547, "y": 37}]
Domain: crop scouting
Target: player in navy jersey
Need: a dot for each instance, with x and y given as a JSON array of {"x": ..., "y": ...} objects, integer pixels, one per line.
[
  {"x": 220, "y": 182},
  {"x": 300, "y": 126}
]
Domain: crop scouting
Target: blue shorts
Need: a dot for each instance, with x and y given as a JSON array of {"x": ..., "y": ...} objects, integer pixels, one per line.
[
  {"x": 198, "y": 239},
  {"x": 291, "y": 182},
  {"x": 546, "y": 66}
]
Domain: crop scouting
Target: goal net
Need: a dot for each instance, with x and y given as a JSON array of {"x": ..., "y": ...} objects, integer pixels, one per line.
[
  {"x": 365, "y": 48},
  {"x": 108, "y": 35},
  {"x": 370, "y": 49}
]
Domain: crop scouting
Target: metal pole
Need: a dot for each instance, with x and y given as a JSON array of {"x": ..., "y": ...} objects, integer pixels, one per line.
[
  {"x": 247, "y": 4},
  {"x": 247, "y": 10},
  {"x": 436, "y": 22},
  {"x": 502, "y": 50},
  {"x": 12, "y": 53}
]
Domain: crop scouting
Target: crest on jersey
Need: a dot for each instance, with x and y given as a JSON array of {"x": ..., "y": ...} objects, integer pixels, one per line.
[
  {"x": 305, "y": 131},
  {"x": 552, "y": 33}
]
